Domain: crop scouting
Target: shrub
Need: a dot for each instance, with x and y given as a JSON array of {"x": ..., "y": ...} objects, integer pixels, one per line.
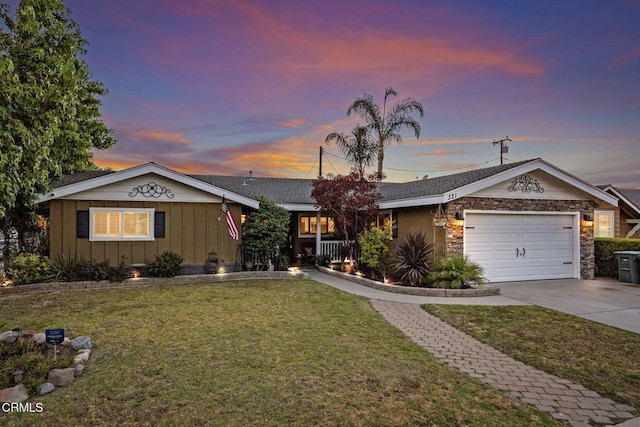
[
  {"x": 456, "y": 272},
  {"x": 29, "y": 268},
  {"x": 374, "y": 248},
  {"x": 605, "y": 260},
  {"x": 167, "y": 264},
  {"x": 71, "y": 268},
  {"x": 414, "y": 257}
]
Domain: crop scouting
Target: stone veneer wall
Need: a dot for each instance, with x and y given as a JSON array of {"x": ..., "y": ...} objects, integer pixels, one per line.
[{"x": 454, "y": 234}]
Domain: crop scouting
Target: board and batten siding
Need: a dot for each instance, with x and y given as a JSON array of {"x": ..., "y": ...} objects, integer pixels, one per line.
[
  {"x": 192, "y": 230},
  {"x": 419, "y": 219}
]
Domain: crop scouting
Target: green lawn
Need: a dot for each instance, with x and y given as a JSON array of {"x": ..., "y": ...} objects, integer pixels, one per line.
[
  {"x": 250, "y": 353},
  {"x": 600, "y": 357}
]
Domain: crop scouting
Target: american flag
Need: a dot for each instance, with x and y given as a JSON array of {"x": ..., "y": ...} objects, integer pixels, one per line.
[{"x": 231, "y": 224}]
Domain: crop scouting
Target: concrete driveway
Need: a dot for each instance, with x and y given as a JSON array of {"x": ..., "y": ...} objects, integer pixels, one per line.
[{"x": 605, "y": 301}]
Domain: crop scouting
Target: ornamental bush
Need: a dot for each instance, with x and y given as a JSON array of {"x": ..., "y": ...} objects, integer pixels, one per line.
[
  {"x": 414, "y": 258},
  {"x": 374, "y": 248},
  {"x": 167, "y": 264},
  {"x": 456, "y": 272},
  {"x": 70, "y": 268},
  {"x": 29, "y": 268}
]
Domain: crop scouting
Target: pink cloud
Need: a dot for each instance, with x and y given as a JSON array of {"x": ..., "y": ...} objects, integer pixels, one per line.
[{"x": 175, "y": 138}]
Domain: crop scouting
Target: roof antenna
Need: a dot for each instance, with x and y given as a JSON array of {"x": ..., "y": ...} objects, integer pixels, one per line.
[{"x": 503, "y": 147}]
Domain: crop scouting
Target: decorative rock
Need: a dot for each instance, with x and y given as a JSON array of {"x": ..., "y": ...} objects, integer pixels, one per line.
[
  {"x": 61, "y": 377},
  {"x": 84, "y": 350},
  {"x": 40, "y": 338},
  {"x": 46, "y": 388},
  {"x": 66, "y": 342},
  {"x": 81, "y": 342},
  {"x": 82, "y": 356},
  {"x": 15, "y": 394},
  {"x": 79, "y": 370},
  {"x": 9, "y": 337}
]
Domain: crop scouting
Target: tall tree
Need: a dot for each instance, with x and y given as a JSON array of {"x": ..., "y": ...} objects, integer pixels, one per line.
[
  {"x": 387, "y": 126},
  {"x": 350, "y": 200},
  {"x": 50, "y": 108},
  {"x": 357, "y": 148}
]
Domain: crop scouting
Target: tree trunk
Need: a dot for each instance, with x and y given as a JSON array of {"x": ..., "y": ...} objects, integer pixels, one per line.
[{"x": 380, "y": 158}]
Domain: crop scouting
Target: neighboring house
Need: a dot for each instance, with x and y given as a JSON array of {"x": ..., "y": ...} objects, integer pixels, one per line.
[
  {"x": 522, "y": 221},
  {"x": 621, "y": 222}
]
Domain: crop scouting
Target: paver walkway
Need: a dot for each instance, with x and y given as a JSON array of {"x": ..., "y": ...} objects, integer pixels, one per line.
[{"x": 561, "y": 398}]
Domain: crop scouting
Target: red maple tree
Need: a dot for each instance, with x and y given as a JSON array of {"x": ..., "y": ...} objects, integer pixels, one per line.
[{"x": 350, "y": 200}]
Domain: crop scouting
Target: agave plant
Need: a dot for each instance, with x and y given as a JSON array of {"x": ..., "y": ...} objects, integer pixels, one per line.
[
  {"x": 414, "y": 256},
  {"x": 456, "y": 272}
]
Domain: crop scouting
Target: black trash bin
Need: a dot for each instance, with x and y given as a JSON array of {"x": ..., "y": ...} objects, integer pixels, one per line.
[{"x": 628, "y": 266}]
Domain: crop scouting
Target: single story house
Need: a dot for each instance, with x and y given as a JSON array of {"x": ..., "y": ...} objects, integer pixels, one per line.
[
  {"x": 624, "y": 221},
  {"x": 526, "y": 220}
]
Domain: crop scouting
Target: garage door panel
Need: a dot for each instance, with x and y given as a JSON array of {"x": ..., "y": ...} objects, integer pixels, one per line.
[{"x": 513, "y": 247}]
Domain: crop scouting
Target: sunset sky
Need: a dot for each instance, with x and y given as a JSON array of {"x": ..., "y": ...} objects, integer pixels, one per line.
[{"x": 225, "y": 87}]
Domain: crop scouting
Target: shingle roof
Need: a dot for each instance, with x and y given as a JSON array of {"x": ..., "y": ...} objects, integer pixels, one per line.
[
  {"x": 631, "y": 195},
  {"x": 442, "y": 184},
  {"x": 298, "y": 191},
  {"x": 78, "y": 177},
  {"x": 280, "y": 190}
]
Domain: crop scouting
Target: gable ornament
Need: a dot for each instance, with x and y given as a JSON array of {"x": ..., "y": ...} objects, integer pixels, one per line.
[
  {"x": 151, "y": 190},
  {"x": 526, "y": 184}
]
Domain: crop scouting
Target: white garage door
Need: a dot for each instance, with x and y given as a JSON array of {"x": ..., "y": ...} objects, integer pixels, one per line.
[{"x": 513, "y": 247}]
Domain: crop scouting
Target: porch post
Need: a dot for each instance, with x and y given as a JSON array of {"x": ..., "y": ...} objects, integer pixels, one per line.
[{"x": 318, "y": 233}]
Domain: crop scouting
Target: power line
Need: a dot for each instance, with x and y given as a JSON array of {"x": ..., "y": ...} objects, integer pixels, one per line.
[
  {"x": 334, "y": 168},
  {"x": 422, "y": 170},
  {"x": 312, "y": 167}
]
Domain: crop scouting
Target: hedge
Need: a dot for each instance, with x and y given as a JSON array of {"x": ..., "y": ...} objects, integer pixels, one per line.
[{"x": 606, "y": 263}]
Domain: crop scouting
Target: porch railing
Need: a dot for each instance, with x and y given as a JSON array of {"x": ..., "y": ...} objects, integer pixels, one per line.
[{"x": 333, "y": 248}]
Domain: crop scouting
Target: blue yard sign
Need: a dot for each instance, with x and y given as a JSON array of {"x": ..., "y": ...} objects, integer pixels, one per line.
[{"x": 55, "y": 336}]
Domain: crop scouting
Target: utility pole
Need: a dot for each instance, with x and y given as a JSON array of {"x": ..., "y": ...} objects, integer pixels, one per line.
[
  {"x": 320, "y": 163},
  {"x": 503, "y": 147}
]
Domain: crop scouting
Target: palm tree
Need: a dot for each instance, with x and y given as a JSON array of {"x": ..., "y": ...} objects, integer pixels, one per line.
[
  {"x": 357, "y": 147},
  {"x": 386, "y": 126}
]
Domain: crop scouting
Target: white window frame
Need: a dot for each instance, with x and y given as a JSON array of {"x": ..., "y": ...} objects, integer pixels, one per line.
[
  {"x": 121, "y": 237},
  {"x": 596, "y": 227}
]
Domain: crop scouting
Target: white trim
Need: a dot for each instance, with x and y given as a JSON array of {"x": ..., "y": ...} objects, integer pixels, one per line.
[
  {"x": 619, "y": 195},
  {"x": 299, "y": 207},
  {"x": 576, "y": 273},
  {"x": 121, "y": 238},
  {"x": 148, "y": 168},
  {"x": 412, "y": 202},
  {"x": 634, "y": 229}
]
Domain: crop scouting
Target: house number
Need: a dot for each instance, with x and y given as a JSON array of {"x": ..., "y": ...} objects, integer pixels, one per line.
[{"x": 452, "y": 196}]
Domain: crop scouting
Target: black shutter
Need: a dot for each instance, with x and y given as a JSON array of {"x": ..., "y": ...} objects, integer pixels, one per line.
[
  {"x": 159, "y": 226},
  {"x": 82, "y": 224}
]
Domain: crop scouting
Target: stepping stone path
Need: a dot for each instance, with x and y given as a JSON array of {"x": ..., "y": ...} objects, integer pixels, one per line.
[{"x": 561, "y": 398}]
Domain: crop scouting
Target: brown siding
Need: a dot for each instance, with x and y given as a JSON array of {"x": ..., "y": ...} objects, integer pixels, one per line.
[
  {"x": 420, "y": 219},
  {"x": 192, "y": 230}
]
